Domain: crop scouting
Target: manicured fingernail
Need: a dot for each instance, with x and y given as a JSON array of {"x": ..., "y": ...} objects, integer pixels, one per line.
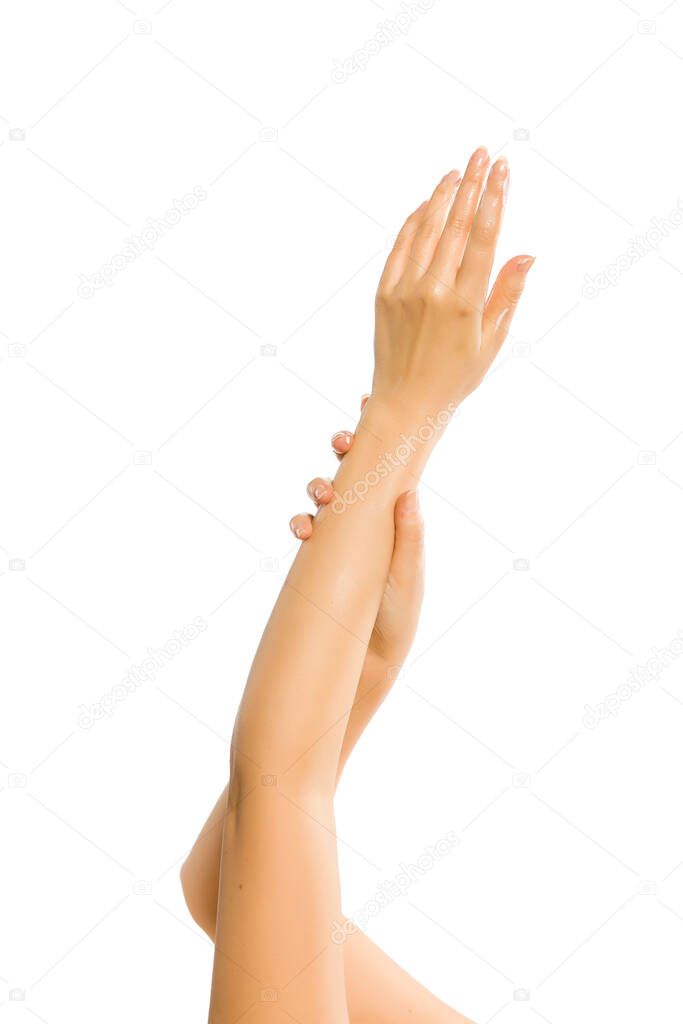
[
  {"x": 480, "y": 156},
  {"x": 411, "y": 502},
  {"x": 501, "y": 168},
  {"x": 341, "y": 437},
  {"x": 525, "y": 263},
  {"x": 318, "y": 491}
]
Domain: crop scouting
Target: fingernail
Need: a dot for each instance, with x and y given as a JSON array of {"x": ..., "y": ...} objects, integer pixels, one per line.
[
  {"x": 318, "y": 491},
  {"x": 525, "y": 263},
  {"x": 338, "y": 438},
  {"x": 412, "y": 503},
  {"x": 480, "y": 156},
  {"x": 501, "y": 168}
]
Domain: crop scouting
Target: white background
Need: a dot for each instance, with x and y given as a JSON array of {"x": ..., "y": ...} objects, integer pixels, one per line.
[{"x": 125, "y": 111}]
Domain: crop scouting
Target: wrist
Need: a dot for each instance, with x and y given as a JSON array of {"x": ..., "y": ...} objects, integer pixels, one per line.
[
  {"x": 405, "y": 412},
  {"x": 407, "y": 429}
]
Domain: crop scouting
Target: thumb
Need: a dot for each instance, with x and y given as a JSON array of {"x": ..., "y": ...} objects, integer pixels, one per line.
[{"x": 409, "y": 538}]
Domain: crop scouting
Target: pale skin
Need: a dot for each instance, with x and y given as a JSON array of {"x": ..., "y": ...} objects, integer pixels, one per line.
[{"x": 326, "y": 657}]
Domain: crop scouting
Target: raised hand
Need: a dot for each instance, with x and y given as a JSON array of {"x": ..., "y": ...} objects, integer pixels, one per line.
[{"x": 438, "y": 328}]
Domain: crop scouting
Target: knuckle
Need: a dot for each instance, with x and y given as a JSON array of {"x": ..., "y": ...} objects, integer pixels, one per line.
[
  {"x": 486, "y": 232},
  {"x": 462, "y": 309},
  {"x": 440, "y": 293},
  {"x": 427, "y": 292},
  {"x": 404, "y": 294},
  {"x": 385, "y": 298},
  {"x": 458, "y": 223},
  {"x": 425, "y": 236}
]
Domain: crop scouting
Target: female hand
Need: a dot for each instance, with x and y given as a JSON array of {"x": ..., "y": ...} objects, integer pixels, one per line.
[
  {"x": 436, "y": 331},
  {"x": 399, "y": 611}
]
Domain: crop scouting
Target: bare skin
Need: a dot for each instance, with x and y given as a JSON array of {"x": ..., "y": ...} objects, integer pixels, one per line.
[
  {"x": 436, "y": 335},
  {"x": 377, "y": 989}
]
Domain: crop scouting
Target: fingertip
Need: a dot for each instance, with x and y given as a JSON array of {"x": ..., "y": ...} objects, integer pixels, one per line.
[
  {"x": 301, "y": 526},
  {"x": 408, "y": 507},
  {"x": 409, "y": 526},
  {"x": 500, "y": 172},
  {"x": 481, "y": 156},
  {"x": 341, "y": 441},
  {"x": 327, "y": 494},
  {"x": 523, "y": 264},
  {"x": 320, "y": 490}
]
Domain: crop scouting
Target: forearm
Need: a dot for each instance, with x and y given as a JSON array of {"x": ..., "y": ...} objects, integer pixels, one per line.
[
  {"x": 376, "y": 679},
  {"x": 317, "y": 636},
  {"x": 200, "y": 871}
]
